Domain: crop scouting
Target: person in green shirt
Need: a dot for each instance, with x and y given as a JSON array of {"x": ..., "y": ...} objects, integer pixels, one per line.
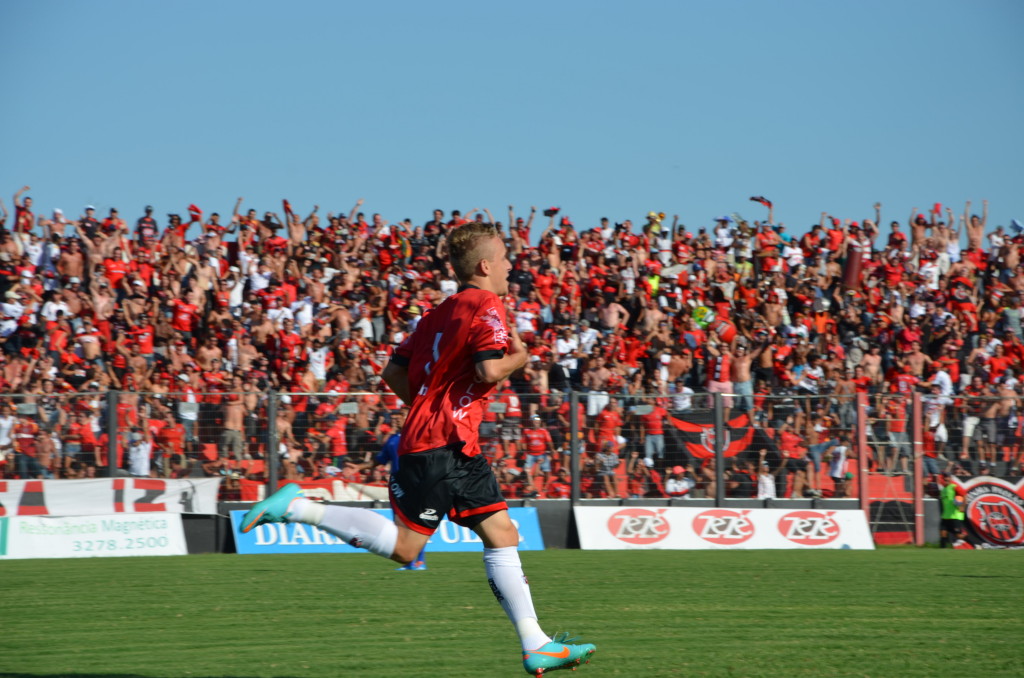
[{"x": 951, "y": 528}]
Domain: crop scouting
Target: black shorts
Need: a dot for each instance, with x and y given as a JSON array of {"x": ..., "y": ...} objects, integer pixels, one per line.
[
  {"x": 795, "y": 465},
  {"x": 436, "y": 482},
  {"x": 954, "y": 525}
]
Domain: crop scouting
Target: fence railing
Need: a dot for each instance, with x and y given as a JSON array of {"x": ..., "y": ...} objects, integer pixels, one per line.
[{"x": 878, "y": 449}]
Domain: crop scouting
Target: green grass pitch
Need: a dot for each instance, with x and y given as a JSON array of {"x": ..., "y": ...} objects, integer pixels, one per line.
[{"x": 892, "y": 612}]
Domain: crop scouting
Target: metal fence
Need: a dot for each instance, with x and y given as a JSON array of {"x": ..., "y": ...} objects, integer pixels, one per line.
[{"x": 879, "y": 449}]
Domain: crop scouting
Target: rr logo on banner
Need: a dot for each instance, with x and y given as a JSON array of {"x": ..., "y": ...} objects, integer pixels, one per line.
[
  {"x": 723, "y": 526},
  {"x": 639, "y": 526},
  {"x": 809, "y": 528}
]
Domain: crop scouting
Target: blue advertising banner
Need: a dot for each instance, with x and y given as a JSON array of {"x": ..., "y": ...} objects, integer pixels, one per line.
[{"x": 299, "y": 538}]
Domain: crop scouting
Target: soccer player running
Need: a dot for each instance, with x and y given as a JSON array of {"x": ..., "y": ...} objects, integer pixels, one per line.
[{"x": 445, "y": 371}]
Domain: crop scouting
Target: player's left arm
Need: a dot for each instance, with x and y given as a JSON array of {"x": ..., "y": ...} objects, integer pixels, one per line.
[
  {"x": 397, "y": 377},
  {"x": 494, "y": 370}
]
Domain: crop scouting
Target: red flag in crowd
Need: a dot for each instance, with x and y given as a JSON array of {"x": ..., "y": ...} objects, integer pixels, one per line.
[{"x": 697, "y": 429}]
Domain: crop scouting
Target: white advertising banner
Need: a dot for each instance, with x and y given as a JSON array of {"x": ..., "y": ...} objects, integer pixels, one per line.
[
  {"x": 625, "y": 527},
  {"x": 102, "y": 496},
  {"x": 154, "y": 534}
]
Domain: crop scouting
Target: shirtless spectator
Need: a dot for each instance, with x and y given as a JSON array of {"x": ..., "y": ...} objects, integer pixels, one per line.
[
  {"x": 1009, "y": 408},
  {"x": 988, "y": 443},
  {"x": 611, "y": 316},
  {"x": 233, "y": 437},
  {"x": 975, "y": 225},
  {"x": 742, "y": 377},
  {"x": 872, "y": 364},
  {"x": 595, "y": 380},
  {"x": 917, "y": 359}
]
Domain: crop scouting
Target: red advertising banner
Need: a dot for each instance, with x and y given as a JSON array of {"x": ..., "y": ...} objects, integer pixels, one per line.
[
  {"x": 102, "y": 496},
  {"x": 329, "y": 490}
]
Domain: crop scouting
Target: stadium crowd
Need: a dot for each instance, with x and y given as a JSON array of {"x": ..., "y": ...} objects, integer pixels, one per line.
[{"x": 194, "y": 320}]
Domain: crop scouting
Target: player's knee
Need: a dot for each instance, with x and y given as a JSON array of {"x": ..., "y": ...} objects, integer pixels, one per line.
[
  {"x": 405, "y": 553},
  {"x": 506, "y": 535}
]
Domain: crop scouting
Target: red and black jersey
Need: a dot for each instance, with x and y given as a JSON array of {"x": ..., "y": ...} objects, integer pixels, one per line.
[
  {"x": 441, "y": 356},
  {"x": 719, "y": 367}
]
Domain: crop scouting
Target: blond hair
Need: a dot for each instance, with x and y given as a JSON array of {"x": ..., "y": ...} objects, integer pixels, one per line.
[{"x": 464, "y": 250}]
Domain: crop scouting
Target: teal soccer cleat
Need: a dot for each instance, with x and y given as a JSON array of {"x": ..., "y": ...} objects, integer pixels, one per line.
[
  {"x": 557, "y": 655},
  {"x": 273, "y": 509},
  {"x": 414, "y": 566}
]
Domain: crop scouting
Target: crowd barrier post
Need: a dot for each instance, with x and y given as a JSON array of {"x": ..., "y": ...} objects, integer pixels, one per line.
[
  {"x": 863, "y": 463},
  {"x": 574, "y": 447},
  {"x": 272, "y": 455},
  {"x": 719, "y": 452},
  {"x": 917, "y": 452},
  {"x": 113, "y": 433}
]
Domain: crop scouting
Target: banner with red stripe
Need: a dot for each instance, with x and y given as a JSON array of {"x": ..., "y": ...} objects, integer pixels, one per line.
[
  {"x": 697, "y": 429},
  {"x": 102, "y": 496}
]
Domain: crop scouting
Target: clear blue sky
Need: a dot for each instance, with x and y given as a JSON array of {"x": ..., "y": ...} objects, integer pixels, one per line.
[{"x": 604, "y": 108}]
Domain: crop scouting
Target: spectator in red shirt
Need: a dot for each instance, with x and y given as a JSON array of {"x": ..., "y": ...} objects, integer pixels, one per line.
[
  {"x": 998, "y": 364},
  {"x": 609, "y": 426},
  {"x": 652, "y": 433},
  {"x": 185, "y": 319},
  {"x": 560, "y": 486},
  {"x": 905, "y": 381},
  {"x": 895, "y": 413},
  {"x": 540, "y": 450}
]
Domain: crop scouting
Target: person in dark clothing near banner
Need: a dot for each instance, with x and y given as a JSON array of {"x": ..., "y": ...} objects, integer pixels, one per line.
[{"x": 951, "y": 529}]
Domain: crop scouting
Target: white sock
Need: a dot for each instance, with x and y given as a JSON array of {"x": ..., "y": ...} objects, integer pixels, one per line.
[
  {"x": 509, "y": 585},
  {"x": 359, "y": 527}
]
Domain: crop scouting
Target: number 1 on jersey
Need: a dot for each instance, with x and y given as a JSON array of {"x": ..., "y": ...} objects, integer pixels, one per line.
[{"x": 436, "y": 353}]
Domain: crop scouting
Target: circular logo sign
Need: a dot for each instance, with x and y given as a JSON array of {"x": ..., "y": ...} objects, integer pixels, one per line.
[
  {"x": 809, "y": 528},
  {"x": 707, "y": 438},
  {"x": 638, "y": 526},
  {"x": 998, "y": 518},
  {"x": 723, "y": 526}
]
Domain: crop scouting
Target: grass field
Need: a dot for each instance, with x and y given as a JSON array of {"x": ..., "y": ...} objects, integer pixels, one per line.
[{"x": 893, "y": 612}]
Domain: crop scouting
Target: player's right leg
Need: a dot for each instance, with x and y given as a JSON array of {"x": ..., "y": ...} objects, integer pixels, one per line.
[{"x": 359, "y": 527}]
